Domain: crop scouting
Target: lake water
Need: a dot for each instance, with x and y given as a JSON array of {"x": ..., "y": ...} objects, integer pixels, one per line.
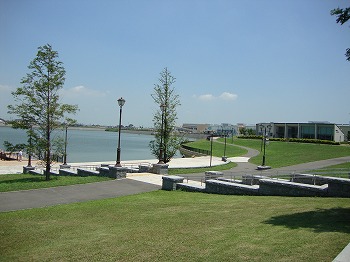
[{"x": 91, "y": 145}]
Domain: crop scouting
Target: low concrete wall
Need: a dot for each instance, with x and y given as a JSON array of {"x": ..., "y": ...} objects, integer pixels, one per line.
[
  {"x": 104, "y": 171},
  {"x": 251, "y": 179},
  {"x": 308, "y": 179},
  {"x": 229, "y": 188},
  {"x": 274, "y": 187},
  {"x": 117, "y": 172},
  {"x": 35, "y": 172},
  {"x": 339, "y": 187},
  {"x": 336, "y": 187},
  {"x": 213, "y": 175},
  {"x": 170, "y": 182},
  {"x": 160, "y": 169},
  {"x": 26, "y": 169},
  {"x": 67, "y": 172},
  {"x": 144, "y": 169},
  {"x": 84, "y": 172},
  {"x": 190, "y": 188}
]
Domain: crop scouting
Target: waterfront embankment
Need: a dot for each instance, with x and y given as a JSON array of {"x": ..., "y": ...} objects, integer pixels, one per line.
[{"x": 16, "y": 167}]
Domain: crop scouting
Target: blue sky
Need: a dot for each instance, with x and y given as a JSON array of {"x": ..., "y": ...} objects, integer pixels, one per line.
[{"x": 234, "y": 61}]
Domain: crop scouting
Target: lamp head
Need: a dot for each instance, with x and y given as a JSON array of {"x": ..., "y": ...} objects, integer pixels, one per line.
[{"x": 121, "y": 101}]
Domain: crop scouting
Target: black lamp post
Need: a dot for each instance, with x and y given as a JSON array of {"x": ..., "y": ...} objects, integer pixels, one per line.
[
  {"x": 121, "y": 102},
  {"x": 232, "y": 137},
  {"x": 264, "y": 137},
  {"x": 65, "y": 146},
  {"x": 211, "y": 148},
  {"x": 225, "y": 145},
  {"x": 30, "y": 147},
  {"x": 161, "y": 154}
]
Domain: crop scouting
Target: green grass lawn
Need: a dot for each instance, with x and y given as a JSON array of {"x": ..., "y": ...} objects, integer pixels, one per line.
[
  {"x": 179, "y": 226},
  {"x": 340, "y": 166},
  {"x": 178, "y": 171},
  {"x": 14, "y": 182},
  {"x": 280, "y": 154},
  {"x": 341, "y": 170},
  {"x": 218, "y": 148}
]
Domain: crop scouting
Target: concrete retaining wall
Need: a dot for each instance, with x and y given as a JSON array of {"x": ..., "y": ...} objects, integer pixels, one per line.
[
  {"x": 336, "y": 187},
  {"x": 190, "y": 188},
  {"x": 67, "y": 172},
  {"x": 309, "y": 179},
  {"x": 213, "y": 175},
  {"x": 339, "y": 187},
  {"x": 160, "y": 169},
  {"x": 84, "y": 172},
  {"x": 251, "y": 179},
  {"x": 274, "y": 187},
  {"x": 170, "y": 182},
  {"x": 229, "y": 188}
]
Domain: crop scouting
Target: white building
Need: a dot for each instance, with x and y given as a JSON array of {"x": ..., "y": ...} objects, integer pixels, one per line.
[{"x": 311, "y": 130}]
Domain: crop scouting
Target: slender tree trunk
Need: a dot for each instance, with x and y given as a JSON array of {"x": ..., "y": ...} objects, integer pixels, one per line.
[
  {"x": 48, "y": 142},
  {"x": 165, "y": 138}
]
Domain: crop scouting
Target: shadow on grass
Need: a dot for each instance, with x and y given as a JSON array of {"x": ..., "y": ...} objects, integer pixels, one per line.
[{"x": 321, "y": 220}]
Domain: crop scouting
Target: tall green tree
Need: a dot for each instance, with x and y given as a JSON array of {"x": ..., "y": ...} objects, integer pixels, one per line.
[
  {"x": 167, "y": 102},
  {"x": 343, "y": 15},
  {"x": 38, "y": 101}
]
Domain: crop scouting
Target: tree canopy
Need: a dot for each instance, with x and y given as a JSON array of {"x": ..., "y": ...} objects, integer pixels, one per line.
[
  {"x": 343, "y": 15},
  {"x": 38, "y": 101},
  {"x": 167, "y": 100}
]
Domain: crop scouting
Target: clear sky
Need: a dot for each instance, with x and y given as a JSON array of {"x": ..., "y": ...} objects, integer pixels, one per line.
[{"x": 234, "y": 61}]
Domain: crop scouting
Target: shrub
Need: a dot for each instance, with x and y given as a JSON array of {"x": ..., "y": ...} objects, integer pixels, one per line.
[
  {"x": 250, "y": 137},
  {"x": 295, "y": 140}
]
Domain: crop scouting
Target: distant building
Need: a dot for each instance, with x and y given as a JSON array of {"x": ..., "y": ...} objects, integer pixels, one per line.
[
  {"x": 195, "y": 128},
  {"x": 346, "y": 130},
  {"x": 310, "y": 130},
  {"x": 223, "y": 129}
]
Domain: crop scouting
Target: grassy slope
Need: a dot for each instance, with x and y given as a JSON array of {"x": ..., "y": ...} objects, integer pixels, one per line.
[
  {"x": 179, "y": 226},
  {"x": 218, "y": 148},
  {"x": 178, "y": 171},
  {"x": 14, "y": 182},
  {"x": 280, "y": 154}
]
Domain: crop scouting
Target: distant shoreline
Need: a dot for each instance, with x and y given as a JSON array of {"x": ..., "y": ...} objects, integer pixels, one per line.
[{"x": 130, "y": 131}]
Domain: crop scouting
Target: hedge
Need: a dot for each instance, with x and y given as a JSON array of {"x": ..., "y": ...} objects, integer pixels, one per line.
[{"x": 295, "y": 140}]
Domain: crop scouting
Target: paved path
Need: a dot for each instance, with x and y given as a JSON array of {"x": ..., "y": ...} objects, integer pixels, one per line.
[
  {"x": 10, "y": 201},
  {"x": 136, "y": 183},
  {"x": 9, "y": 167}
]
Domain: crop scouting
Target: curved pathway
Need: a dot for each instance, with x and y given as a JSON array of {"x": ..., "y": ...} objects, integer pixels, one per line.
[{"x": 243, "y": 166}]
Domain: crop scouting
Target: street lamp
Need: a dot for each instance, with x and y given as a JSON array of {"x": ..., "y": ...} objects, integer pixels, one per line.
[
  {"x": 65, "y": 146},
  {"x": 30, "y": 147},
  {"x": 121, "y": 102},
  {"x": 161, "y": 155},
  {"x": 211, "y": 148},
  {"x": 264, "y": 137},
  {"x": 225, "y": 147}
]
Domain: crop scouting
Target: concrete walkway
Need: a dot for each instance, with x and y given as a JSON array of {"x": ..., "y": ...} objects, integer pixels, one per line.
[
  {"x": 11, "y": 201},
  {"x": 10, "y": 167},
  {"x": 135, "y": 183}
]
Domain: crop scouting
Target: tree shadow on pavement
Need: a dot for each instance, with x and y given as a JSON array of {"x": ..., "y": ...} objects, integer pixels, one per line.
[{"x": 321, "y": 220}]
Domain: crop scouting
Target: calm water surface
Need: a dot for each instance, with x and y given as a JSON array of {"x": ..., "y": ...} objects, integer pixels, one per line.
[{"x": 91, "y": 145}]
